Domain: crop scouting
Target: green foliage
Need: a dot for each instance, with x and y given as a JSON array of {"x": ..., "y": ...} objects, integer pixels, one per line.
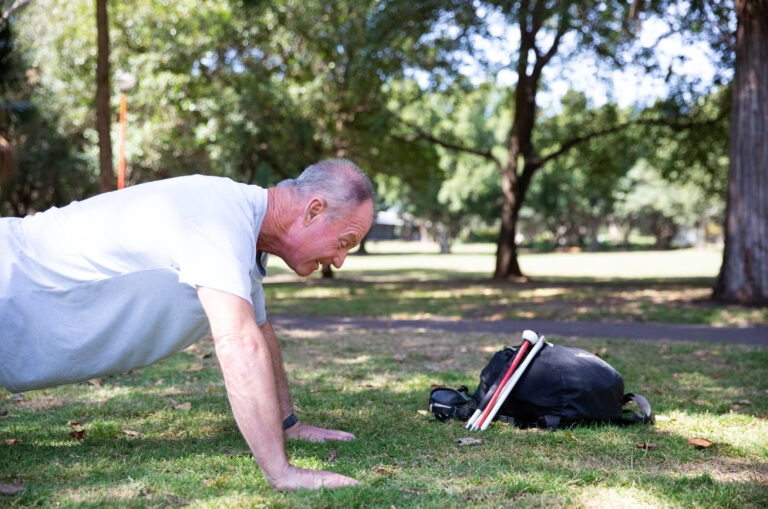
[
  {"x": 258, "y": 90},
  {"x": 49, "y": 167}
]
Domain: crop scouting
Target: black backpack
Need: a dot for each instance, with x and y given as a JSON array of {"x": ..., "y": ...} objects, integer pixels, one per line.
[{"x": 562, "y": 386}]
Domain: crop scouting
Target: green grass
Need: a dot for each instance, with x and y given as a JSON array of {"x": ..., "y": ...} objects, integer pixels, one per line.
[
  {"x": 163, "y": 436},
  {"x": 638, "y": 286},
  {"x": 376, "y": 383}
]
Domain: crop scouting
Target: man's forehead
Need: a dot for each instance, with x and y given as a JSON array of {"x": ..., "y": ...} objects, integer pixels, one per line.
[{"x": 359, "y": 220}]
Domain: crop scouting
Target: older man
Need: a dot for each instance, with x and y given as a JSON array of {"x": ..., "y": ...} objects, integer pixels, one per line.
[{"x": 124, "y": 279}]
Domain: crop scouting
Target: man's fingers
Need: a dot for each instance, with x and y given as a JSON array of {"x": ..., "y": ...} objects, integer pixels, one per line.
[
  {"x": 314, "y": 434},
  {"x": 335, "y": 434},
  {"x": 312, "y": 479},
  {"x": 333, "y": 480}
]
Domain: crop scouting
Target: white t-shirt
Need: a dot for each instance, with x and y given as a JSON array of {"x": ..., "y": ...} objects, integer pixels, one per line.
[{"x": 109, "y": 284}]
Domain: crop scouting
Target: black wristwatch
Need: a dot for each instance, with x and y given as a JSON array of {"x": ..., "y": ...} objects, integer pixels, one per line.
[{"x": 289, "y": 421}]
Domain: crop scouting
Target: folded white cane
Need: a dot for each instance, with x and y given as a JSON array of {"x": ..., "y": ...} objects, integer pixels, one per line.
[
  {"x": 485, "y": 407},
  {"x": 511, "y": 383}
]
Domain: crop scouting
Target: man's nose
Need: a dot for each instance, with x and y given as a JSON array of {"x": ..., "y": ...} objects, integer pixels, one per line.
[{"x": 338, "y": 260}]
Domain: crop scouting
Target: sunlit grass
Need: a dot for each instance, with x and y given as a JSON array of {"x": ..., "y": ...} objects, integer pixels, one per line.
[
  {"x": 638, "y": 286},
  {"x": 423, "y": 262},
  {"x": 376, "y": 383}
]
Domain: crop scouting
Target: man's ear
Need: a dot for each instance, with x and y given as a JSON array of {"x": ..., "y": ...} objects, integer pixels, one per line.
[{"x": 315, "y": 207}]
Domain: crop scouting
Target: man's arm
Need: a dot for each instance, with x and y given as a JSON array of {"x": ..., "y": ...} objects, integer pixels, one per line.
[
  {"x": 249, "y": 376},
  {"x": 298, "y": 430}
]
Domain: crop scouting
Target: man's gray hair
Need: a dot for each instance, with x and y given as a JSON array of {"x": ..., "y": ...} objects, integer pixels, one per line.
[{"x": 340, "y": 182}]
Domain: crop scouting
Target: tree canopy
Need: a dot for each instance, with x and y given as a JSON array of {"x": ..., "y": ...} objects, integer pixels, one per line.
[{"x": 258, "y": 90}]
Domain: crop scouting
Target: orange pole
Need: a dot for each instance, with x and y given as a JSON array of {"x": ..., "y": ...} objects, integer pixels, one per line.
[{"x": 121, "y": 156}]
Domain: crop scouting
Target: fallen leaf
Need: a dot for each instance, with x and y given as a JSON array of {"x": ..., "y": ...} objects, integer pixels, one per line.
[
  {"x": 700, "y": 402},
  {"x": 333, "y": 456},
  {"x": 436, "y": 386},
  {"x": 469, "y": 441},
  {"x": 96, "y": 381},
  {"x": 212, "y": 389},
  {"x": 646, "y": 446},
  {"x": 10, "y": 489},
  {"x": 700, "y": 443},
  {"x": 12, "y": 441},
  {"x": 240, "y": 453},
  {"x": 744, "y": 402},
  {"x": 423, "y": 412},
  {"x": 195, "y": 367},
  {"x": 74, "y": 424},
  {"x": 700, "y": 353},
  {"x": 168, "y": 434},
  {"x": 131, "y": 432},
  {"x": 384, "y": 471},
  {"x": 78, "y": 434},
  {"x": 570, "y": 435},
  {"x": 216, "y": 482},
  {"x": 184, "y": 407}
]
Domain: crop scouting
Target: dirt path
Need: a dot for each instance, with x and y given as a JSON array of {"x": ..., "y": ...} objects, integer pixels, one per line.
[{"x": 643, "y": 331}]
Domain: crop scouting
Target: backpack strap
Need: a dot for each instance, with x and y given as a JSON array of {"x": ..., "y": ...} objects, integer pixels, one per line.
[
  {"x": 550, "y": 422},
  {"x": 646, "y": 417},
  {"x": 445, "y": 403}
]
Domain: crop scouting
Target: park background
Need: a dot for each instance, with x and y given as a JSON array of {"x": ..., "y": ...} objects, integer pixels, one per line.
[{"x": 566, "y": 161}]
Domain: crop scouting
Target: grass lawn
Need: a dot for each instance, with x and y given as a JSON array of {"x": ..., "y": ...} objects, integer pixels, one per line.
[
  {"x": 637, "y": 286},
  {"x": 163, "y": 436}
]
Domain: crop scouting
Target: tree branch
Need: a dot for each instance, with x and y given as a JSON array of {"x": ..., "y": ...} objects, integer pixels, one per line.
[
  {"x": 569, "y": 144},
  {"x": 542, "y": 60},
  {"x": 18, "y": 4},
  {"x": 420, "y": 133}
]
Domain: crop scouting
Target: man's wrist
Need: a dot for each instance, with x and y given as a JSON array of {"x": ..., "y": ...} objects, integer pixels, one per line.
[{"x": 289, "y": 421}]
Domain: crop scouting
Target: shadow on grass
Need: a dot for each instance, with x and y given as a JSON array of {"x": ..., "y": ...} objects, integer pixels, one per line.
[
  {"x": 376, "y": 384},
  {"x": 685, "y": 302},
  {"x": 402, "y": 457}
]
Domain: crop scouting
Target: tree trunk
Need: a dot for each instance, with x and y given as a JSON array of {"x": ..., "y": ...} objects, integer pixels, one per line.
[
  {"x": 743, "y": 277},
  {"x": 362, "y": 250},
  {"x": 506, "y": 248},
  {"x": 102, "y": 99},
  {"x": 7, "y": 160}
]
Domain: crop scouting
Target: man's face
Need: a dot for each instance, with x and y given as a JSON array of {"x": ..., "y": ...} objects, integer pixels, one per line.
[{"x": 315, "y": 241}]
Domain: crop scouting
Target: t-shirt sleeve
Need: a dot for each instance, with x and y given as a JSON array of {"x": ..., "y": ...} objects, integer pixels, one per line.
[
  {"x": 259, "y": 304},
  {"x": 215, "y": 256}
]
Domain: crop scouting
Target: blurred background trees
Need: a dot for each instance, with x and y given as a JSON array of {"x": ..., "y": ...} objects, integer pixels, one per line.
[{"x": 412, "y": 91}]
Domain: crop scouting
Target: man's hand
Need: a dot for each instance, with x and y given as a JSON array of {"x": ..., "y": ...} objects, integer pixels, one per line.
[
  {"x": 303, "y": 431},
  {"x": 246, "y": 361},
  {"x": 296, "y": 478}
]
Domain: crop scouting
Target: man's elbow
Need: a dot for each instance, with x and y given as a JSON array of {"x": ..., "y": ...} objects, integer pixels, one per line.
[{"x": 235, "y": 345}]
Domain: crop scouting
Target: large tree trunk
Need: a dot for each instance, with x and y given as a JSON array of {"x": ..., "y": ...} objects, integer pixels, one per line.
[
  {"x": 106, "y": 176},
  {"x": 743, "y": 275},
  {"x": 506, "y": 248}
]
